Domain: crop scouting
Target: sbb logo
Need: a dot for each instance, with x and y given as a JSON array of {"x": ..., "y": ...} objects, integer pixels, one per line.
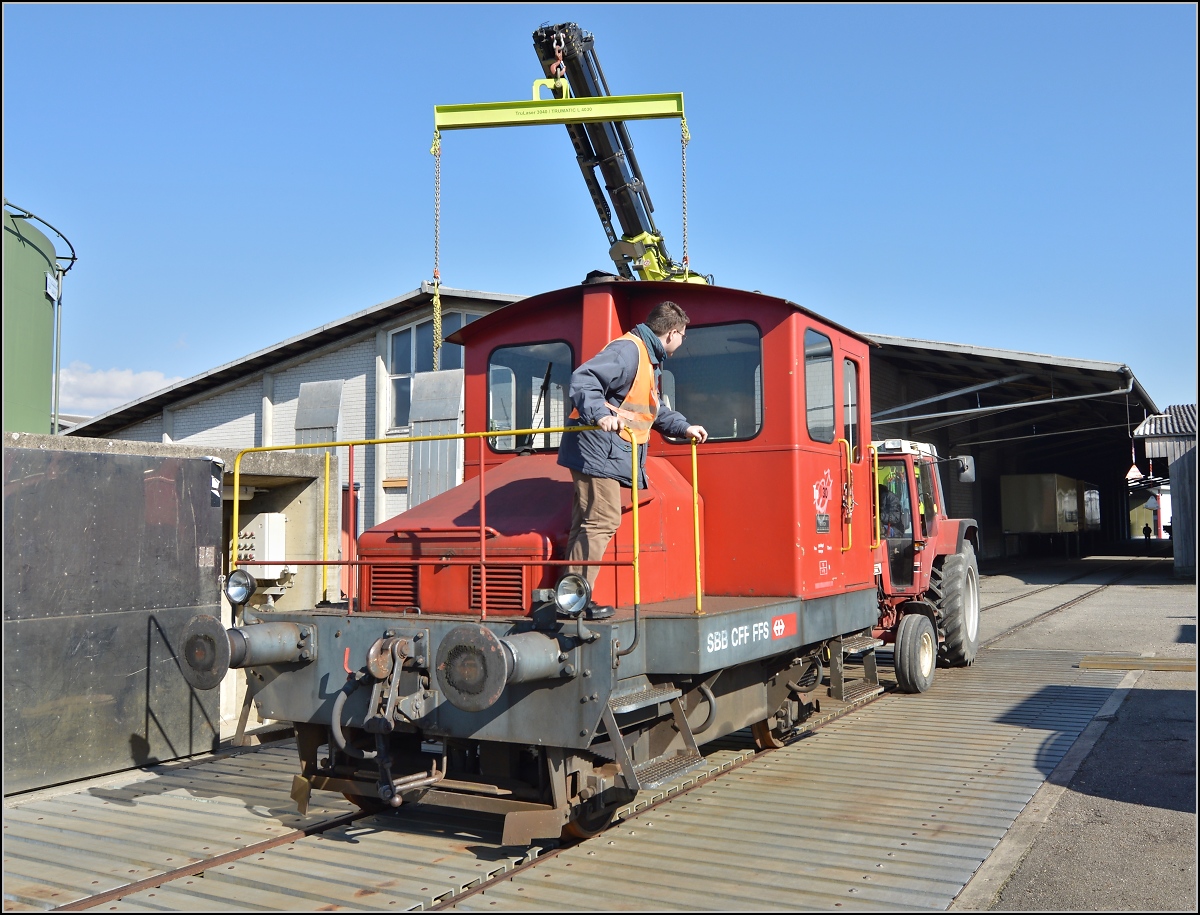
[{"x": 783, "y": 626}]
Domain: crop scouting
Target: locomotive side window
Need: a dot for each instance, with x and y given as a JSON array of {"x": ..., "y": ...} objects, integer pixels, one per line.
[
  {"x": 818, "y": 385},
  {"x": 850, "y": 425},
  {"x": 715, "y": 380},
  {"x": 527, "y": 389}
]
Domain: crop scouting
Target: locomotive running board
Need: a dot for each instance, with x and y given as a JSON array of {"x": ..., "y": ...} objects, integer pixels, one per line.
[
  {"x": 855, "y": 690},
  {"x": 661, "y": 769}
]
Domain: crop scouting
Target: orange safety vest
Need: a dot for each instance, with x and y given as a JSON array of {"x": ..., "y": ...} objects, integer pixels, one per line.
[{"x": 640, "y": 406}]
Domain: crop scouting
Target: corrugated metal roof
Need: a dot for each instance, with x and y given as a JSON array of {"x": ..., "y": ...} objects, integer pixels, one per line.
[{"x": 1177, "y": 420}]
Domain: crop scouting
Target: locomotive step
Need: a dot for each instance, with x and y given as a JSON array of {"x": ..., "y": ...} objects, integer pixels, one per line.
[
  {"x": 860, "y": 689},
  {"x": 857, "y": 644},
  {"x": 659, "y": 771},
  {"x": 631, "y": 702}
]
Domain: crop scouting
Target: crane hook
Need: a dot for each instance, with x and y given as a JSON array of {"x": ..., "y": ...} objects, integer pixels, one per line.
[{"x": 558, "y": 69}]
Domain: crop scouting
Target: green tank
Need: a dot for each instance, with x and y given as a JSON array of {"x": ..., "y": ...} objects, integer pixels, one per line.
[{"x": 28, "y": 328}]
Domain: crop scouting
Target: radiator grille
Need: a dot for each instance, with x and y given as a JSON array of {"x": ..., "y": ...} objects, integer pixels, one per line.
[
  {"x": 505, "y": 589},
  {"x": 394, "y": 586}
]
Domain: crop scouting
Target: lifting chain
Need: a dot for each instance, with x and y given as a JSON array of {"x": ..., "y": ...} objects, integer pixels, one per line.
[
  {"x": 436, "y": 151},
  {"x": 685, "y": 136}
]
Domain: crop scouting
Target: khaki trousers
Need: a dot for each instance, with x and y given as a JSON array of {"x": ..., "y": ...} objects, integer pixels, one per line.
[{"x": 595, "y": 517}]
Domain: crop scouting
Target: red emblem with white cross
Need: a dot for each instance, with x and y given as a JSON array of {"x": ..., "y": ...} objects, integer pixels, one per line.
[{"x": 783, "y": 626}]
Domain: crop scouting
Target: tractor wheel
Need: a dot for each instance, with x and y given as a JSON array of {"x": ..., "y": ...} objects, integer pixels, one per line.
[
  {"x": 367, "y": 804},
  {"x": 959, "y": 606},
  {"x": 916, "y": 653}
]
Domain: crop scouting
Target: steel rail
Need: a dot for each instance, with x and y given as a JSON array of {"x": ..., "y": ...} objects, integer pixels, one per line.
[
  {"x": 1057, "y": 584},
  {"x": 191, "y": 870},
  {"x": 1065, "y": 605}
]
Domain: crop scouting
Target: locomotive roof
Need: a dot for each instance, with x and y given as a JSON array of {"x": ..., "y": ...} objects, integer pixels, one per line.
[{"x": 639, "y": 289}]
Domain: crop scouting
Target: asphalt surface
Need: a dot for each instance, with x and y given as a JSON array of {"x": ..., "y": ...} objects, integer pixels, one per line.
[{"x": 1114, "y": 828}]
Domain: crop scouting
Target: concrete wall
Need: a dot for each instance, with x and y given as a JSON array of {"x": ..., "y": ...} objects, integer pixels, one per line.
[{"x": 291, "y": 483}]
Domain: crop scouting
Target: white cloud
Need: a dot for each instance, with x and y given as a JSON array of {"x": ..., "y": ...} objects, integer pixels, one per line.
[{"x": 86, "y": 391}]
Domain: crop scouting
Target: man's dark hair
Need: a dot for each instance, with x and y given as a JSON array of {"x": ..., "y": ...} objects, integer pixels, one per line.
[{"x": 666, "y": 317}]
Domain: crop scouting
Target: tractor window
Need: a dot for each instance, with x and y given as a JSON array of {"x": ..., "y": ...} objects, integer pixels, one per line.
[
  {"x": 850, "y": 424},
  {"x": 527, "y": 389},
  {"x": 895, "y": 521},
  {"x": 715, "y": 380},
  {"x": 928, "y": 501},
  {"x": 818, "y": 385}
]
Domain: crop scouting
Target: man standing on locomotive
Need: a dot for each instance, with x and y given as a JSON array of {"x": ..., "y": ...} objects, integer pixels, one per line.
[{"x": 618, "y": 390}]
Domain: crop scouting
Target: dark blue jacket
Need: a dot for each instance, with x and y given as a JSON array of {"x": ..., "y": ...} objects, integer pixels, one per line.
[{"x": 608, "y": 376}]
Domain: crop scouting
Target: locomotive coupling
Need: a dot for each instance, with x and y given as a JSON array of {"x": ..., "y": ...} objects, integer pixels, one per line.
[
  {"x": 474, "y": 665},
  {"x": 210, "y": 650}
]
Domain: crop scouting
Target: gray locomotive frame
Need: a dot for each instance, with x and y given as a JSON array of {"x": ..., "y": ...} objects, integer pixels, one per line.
[{"x": 562, "y": 685}]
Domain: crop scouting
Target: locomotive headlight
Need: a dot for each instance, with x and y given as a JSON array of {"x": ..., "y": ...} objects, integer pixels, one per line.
[
  {"x": 240, "y": 587},
  {"x": 572, "y": 594}
]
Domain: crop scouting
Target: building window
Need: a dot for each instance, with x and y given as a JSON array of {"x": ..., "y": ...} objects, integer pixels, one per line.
[{"x": 411, "y": 351}]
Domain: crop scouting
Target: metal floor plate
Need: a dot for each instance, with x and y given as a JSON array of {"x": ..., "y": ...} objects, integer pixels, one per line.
[
  {"x": 62, "y": 847},
  {"x": 77, "y": 844},
  {"x": 892, "y": 807}
]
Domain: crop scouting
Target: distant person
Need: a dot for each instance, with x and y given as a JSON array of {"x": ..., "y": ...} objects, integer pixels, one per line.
[{"x": 1146, "y": 532}]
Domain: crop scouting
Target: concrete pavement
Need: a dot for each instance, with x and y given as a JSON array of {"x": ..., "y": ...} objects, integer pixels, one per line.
[{"x": 1114, "y": 827}]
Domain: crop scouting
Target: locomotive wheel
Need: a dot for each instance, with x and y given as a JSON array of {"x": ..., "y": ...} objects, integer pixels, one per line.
[
  {"x": 589, "y": 824},
  {"x": 916, "y": 653},
  {"x": 765, "y": 735},
  {"x": 366, "y": 804},
  {"x": 959, "y": 606}
]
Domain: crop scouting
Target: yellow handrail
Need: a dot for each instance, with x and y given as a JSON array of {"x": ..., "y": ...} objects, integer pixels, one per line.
[
  {"x": 637, "y": 579},
  {"x": 324, "y": 536},
  {"x": 325, "y": 561},
  {"x": 875, "y": 493},
  {"x": 696, "y": 524}
]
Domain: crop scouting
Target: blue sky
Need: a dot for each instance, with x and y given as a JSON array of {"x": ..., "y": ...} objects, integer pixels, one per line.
[{"x": 1021, "y": 176}]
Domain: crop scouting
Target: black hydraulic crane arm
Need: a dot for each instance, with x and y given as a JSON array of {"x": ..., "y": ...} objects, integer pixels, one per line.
[{"x": 568, "y": 51}]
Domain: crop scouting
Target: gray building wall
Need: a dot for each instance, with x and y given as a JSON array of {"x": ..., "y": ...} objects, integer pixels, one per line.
[
  {"x": 260, "y": 410},
  {"x": 1183, "y": 514}
]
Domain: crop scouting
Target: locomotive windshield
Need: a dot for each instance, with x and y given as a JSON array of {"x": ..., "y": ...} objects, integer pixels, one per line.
[
  {"x": 715, "y": 380},
  {"x": 527, "y": 389}
]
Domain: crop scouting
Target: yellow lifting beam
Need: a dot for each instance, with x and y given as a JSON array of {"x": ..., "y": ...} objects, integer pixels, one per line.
[{"x": 564, "y": 110}]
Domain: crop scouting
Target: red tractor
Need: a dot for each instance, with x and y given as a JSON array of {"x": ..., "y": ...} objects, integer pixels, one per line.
[{"x": 925, "y": 563}]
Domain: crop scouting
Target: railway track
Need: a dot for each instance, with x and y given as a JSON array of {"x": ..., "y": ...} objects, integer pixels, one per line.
[{"x": 223, "y": 833}]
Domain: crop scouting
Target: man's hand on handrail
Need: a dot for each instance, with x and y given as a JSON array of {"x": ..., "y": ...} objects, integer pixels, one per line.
[
  {"x": 699, "y": 433},
  {"x": 611, "y": 423}
]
